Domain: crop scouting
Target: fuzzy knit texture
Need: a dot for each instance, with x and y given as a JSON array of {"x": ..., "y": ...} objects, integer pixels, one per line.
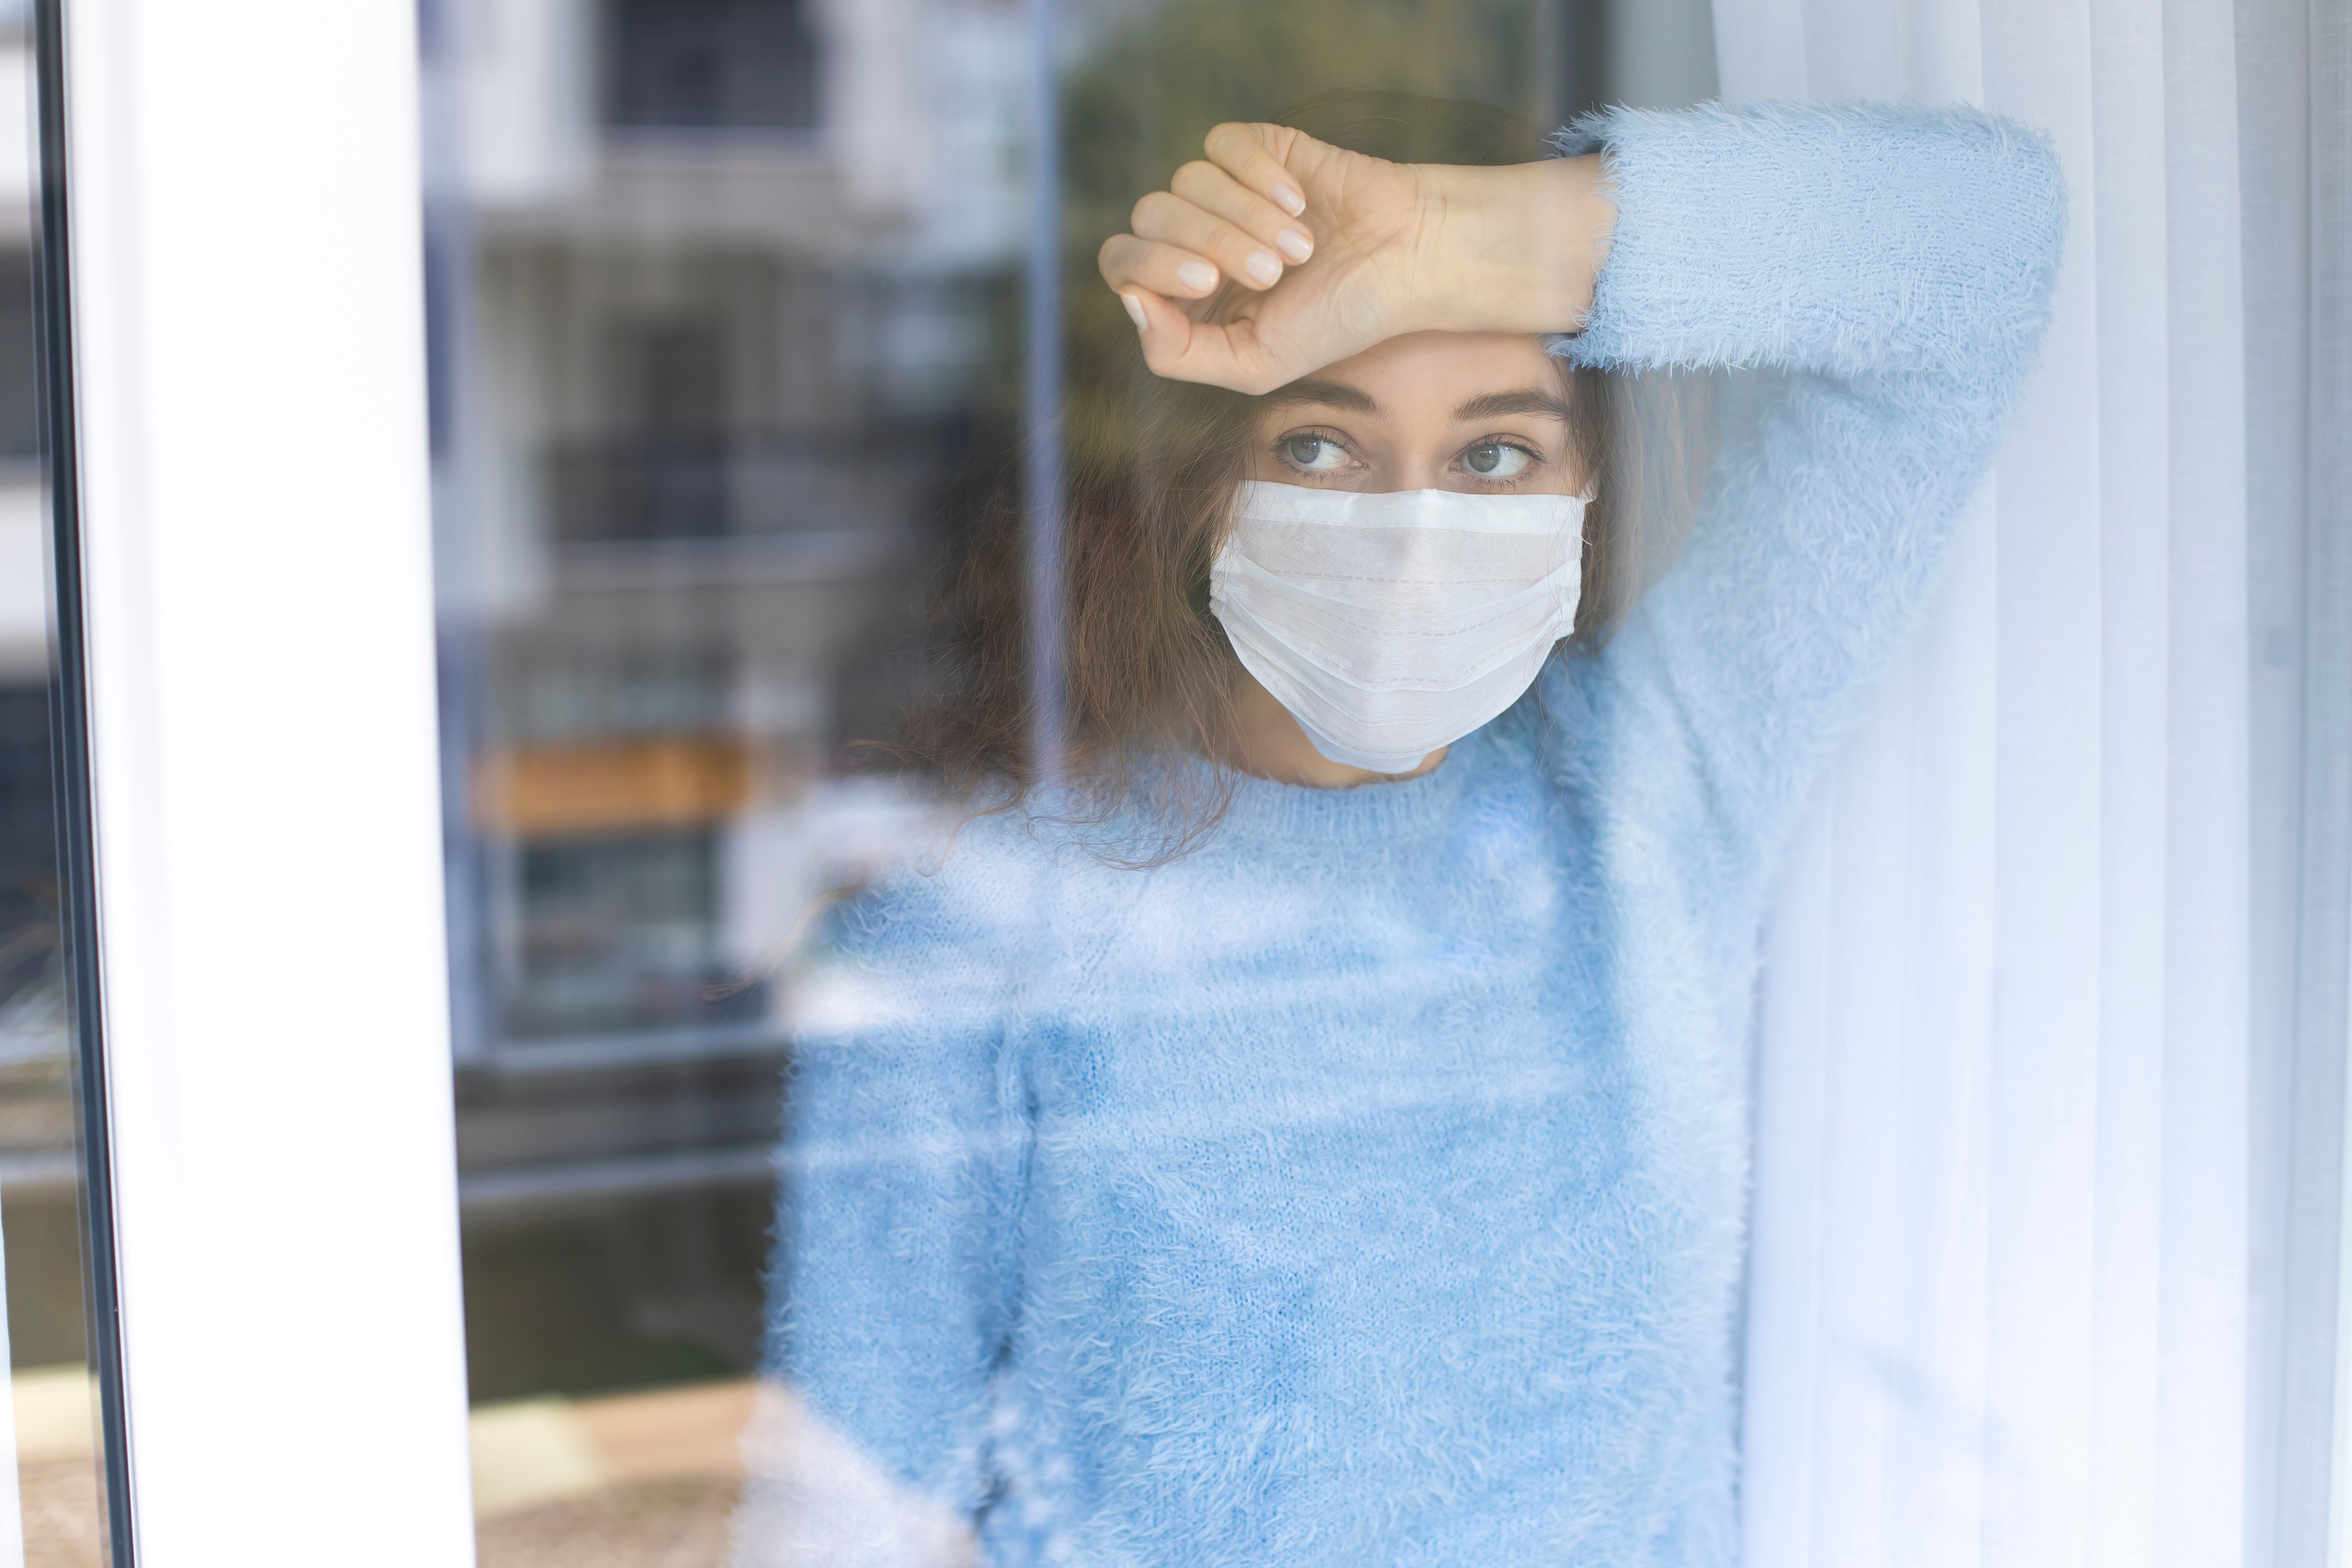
[{"x": 1367, "y": 1186}]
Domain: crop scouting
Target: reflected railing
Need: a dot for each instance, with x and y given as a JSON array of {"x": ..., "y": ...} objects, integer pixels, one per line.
[{"x": 642, "y": 489}]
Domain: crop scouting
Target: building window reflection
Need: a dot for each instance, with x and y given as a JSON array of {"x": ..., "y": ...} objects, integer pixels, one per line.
[
  {"x": 719, "y": 65},
  {"x": 715, "y": 348}
]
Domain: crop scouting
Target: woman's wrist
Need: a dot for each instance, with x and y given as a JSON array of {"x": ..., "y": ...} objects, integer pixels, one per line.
[{"x": 1510, "y": 248}]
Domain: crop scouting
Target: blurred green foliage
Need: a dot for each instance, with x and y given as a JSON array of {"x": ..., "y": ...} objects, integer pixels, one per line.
[{"x": 1140, "y": 103}]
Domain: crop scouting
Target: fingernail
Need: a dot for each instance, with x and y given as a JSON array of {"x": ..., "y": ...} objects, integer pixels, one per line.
[
  {"x": 1294, "y": 244},
  {"x": 1197, "y": 274},
  {"x": 1288, "y": 200},
  {"x": 1263, "y": 266},
  {"x": 1135, "y": 312}
]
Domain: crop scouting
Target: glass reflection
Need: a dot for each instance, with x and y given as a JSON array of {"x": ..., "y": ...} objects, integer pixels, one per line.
[{"x": 732, "y": 335}]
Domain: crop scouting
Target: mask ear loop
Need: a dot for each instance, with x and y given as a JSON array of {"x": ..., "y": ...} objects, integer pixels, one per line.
[{"x": 1584, "y": 499}]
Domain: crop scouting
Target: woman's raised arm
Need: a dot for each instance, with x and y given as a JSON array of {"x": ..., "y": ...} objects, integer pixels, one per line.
[
  {"x": 1333, "y": 251},
  {"x": 1889, "y": 269},
  {"x": 1890, "y": 266}
]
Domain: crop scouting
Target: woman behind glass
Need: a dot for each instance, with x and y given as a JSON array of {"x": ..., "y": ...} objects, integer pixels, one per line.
[{"x": 1261, "y": 1145}]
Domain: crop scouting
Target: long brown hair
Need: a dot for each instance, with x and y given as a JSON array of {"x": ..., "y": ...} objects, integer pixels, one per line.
[{"x": 1148, "y": 675}]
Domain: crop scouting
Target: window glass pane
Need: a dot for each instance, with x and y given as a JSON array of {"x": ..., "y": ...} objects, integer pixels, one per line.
[
  {"x": 1173, "y": 922},
  {"x": 1198, "y": 927},
  {"x": 715, "y": 65},
  {"x": 730, "y": 307},
  {"x": 57, "y": 1500}
]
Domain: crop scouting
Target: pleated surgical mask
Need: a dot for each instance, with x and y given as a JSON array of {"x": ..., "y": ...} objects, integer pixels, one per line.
[{"x": 1390, "y": 625}]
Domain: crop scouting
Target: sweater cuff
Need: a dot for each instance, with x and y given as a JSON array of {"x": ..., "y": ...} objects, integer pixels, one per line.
[{"x": 1832, "y": 236}]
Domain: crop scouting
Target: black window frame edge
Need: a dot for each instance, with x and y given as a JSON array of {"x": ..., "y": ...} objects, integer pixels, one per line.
[{"x": 70, "y": 764}]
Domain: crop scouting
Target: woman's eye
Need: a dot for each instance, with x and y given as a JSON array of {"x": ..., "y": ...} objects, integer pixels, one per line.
[
  {"x": 1496, "y": 460},
  {"x": 1314, "y": 453}
]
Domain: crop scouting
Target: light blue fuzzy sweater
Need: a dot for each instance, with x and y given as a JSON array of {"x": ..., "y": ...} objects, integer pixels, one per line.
[{"x": 1366, "y": 1187}]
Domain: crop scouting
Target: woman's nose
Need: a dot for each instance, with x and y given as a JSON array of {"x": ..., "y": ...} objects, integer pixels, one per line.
[{"x": 1412, "y": 472}]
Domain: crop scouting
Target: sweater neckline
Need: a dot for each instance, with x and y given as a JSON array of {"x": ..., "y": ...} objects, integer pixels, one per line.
[{"x": 1265, "y": 810}]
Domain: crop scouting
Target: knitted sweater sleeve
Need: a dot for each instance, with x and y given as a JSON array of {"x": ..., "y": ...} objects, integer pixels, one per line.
[
  {"x": 1889, "y": 270},
  {"x": 892, "y": 1297}
]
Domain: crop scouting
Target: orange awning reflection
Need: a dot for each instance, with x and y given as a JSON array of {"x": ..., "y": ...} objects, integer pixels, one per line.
[{"x": 549, "y": 791}]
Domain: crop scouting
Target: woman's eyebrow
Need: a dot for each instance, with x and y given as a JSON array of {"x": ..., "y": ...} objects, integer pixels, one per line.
[
  {"x": 1329, "y": 393},
  {"x": 1526, "y": 400}
]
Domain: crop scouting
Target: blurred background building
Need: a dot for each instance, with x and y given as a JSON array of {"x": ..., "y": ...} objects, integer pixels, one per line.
[{"x": 715, "y": 285}]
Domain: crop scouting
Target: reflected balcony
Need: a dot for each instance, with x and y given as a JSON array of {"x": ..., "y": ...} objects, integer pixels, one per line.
[{"x": 669, "y": 508}]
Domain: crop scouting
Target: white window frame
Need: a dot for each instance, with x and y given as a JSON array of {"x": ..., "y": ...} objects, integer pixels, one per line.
[{"x": 254, "y": 528}]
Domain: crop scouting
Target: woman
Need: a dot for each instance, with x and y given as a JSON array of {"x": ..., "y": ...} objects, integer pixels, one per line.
[{"x": 1364, "y": 1182}]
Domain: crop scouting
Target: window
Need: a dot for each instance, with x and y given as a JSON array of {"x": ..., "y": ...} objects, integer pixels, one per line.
[
  {"x": 986, "y": 1023},
  {"x": 710, "y": 65}
]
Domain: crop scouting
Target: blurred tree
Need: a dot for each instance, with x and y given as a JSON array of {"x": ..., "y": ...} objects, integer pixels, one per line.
[{"x": 1140, "y": 104}]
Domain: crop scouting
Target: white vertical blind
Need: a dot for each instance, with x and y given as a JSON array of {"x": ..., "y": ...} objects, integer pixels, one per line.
[
  {"x": 249, "y": 339},
  {"x": 1998, "y": 1308}
]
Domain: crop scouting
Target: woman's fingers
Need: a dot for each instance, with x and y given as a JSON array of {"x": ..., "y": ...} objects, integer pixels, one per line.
[
  {"x": 1170, "y": 219},
  {"x": 1234, "y": 217},
  {"x": 1180, "y": 348},
  {"x": 1213, "y": 191},
  {"x": 1163, "y": 269},
  {"x": 1254, "y": 155}
]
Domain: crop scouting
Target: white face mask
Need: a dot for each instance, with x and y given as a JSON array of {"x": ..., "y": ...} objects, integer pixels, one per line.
[{"x": 1391, "y": 625}]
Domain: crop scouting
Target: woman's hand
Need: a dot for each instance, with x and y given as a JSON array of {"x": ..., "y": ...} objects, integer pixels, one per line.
[{"x": 1331, "y": 252}]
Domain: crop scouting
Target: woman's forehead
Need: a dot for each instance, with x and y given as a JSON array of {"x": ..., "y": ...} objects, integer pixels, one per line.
[{"x": 1427, "y": 375}]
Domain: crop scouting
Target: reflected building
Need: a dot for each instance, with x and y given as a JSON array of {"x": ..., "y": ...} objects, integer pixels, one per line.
[{"x": 720, "y": 298}]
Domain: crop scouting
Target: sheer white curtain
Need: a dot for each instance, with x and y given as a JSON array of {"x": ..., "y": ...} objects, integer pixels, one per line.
[{"x": 2013, "y": 1208}]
